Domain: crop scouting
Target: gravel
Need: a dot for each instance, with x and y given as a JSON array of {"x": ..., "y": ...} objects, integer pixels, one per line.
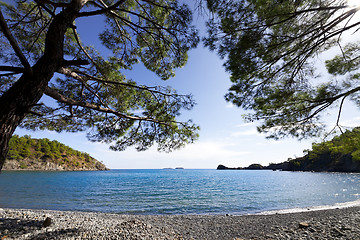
[{"x": 45, "y": 224}]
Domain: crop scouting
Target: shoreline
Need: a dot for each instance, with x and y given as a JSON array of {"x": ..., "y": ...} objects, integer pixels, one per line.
[
  {"x": 341, "y": 223},
  {"x": 355, "y": 203}
]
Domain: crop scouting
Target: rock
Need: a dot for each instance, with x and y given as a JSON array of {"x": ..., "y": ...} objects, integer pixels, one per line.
[
  {"x": 346, "y": 228},
  {"x": 255, "y": 166},
  {"x": 303, "y": 225},
  {"x": 221, "y": 167},
  {"x": 47, "y": 222},
  {"x": 338, "y": 232}
]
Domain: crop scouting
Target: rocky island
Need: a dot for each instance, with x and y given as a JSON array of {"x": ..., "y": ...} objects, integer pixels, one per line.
[
  {"x": 254, "y": 166},
  {"x": 26, "y": 153}
]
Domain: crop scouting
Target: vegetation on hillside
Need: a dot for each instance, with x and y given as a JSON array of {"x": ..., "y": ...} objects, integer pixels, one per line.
[
  {"x": 27, "y": 151},
  {"x": 341, "y": 154},
  {"x": 347, "y": 143}
]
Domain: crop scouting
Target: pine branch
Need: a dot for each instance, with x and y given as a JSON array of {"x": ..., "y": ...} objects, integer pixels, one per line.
[
  {"x": 77, "y": 62},
  {"x": 71, "y": 102},
  {"x": 101, "y": 11},
  {"x": 5, "y": 29},
  {"x": 12, "y": 69}
]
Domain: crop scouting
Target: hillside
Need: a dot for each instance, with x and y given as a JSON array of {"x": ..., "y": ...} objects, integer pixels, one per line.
[
  {"x": 341, "y": 154},
  {"x": 26, "y": 153}
]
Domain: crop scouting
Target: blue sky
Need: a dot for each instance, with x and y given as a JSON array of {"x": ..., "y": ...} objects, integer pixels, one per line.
[{"x": 224, "y": 137}]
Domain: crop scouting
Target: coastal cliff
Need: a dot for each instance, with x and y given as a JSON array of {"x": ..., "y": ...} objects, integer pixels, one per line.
[
  {"x": 325, "y": 162},
  {"x": 26, "y": 153},
  {"x": 341, "y": 154}
]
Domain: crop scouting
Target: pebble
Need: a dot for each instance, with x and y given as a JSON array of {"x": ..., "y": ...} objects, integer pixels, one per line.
[
  {"x": 303, "y": 225},
  {"x": 47, "y": 222},
  {"x": 30, "y": 224}
]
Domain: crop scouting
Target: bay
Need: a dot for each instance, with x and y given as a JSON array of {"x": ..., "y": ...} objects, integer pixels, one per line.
[{"x": 182, "y": 191}]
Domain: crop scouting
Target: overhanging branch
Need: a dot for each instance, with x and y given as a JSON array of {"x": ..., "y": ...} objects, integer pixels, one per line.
[
  {"x": 71, "y": 102},
  {"x": 101, "y": 11},
  {"x": 78, "y": 62},
  {"x": 12, "y": 69},
  {"x": 14, "y": 44},
  {"x": 70, "y": 73},
  {"x": 144, "y": 88},
  {"x": 55, "y": 4}
]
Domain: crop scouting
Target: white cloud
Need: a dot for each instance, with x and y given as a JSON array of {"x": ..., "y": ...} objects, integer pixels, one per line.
[
  {"x": 251, "y": 132},
  {"x": 248, "y": 124},
  {"x": 198, "y": 155},
  {"x": 354, "y": 122},
  {"x": 229, "y": 105},
  {"x": 273, "y": 142}
]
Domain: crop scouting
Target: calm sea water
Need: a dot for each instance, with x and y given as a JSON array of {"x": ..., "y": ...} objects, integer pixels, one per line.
[{"x": 176, "y": 191}]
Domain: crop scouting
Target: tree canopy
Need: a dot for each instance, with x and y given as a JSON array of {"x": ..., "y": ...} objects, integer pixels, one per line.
[
  {"x": 271, "y": 48},
  {"x": 43, "y": 54}
]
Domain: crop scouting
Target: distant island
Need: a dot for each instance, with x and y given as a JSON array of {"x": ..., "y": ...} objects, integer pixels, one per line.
[
  {"x": 177, "y": 168},
  {"x": 26, "y": 153},
  {"x": 341, "y": 154},
  {"x": 250, "y": 167}
]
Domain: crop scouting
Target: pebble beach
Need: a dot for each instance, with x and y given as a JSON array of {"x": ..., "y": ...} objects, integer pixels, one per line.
[{"x": 45, "y": 224}]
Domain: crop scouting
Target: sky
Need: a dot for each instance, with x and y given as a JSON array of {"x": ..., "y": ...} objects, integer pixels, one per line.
[{"x": 224, "y": 137}]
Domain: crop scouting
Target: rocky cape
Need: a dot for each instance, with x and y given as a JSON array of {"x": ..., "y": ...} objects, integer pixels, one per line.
[
  {"x": 340, "y": 154},
  {"x": 250, "y": 167},
  {"x": 324, "y": 163},
  {"x": 41, "y": 165},
  {"x": 26, "y": 153}
]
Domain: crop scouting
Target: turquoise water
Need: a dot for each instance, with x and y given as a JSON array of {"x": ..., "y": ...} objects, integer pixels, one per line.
[{"x": 176, "y": 191}]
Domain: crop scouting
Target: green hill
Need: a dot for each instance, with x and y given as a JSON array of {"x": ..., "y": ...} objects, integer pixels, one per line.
[
  {"x": 26, "y": 153},
  {"x": 341, "y": 154}
]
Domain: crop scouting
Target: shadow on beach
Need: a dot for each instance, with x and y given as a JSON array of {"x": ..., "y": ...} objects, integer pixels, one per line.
[{"x": 17, "y": 228}]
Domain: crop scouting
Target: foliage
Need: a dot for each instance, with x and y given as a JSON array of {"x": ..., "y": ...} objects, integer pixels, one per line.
[
  {"x": 90, "y": 90},
  {"x": 341, "y": 154},
  {"x": 23, "y": 148},
  {"x": 344, "y": 144},
  {"x": 271, "y": 55},
  {"x": 255, "y": 166}
]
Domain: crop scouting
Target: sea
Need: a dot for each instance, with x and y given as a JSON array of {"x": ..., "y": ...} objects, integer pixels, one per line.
[{"x": 179, "y": 191}]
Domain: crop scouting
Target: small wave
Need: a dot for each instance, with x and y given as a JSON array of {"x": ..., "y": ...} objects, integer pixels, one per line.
[{"x": 355, "y": 203}]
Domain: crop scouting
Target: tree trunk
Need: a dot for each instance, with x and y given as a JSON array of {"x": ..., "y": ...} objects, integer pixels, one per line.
[
  {"x": 27, "y": 91},
  {"x": 18, "y": 100}
]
